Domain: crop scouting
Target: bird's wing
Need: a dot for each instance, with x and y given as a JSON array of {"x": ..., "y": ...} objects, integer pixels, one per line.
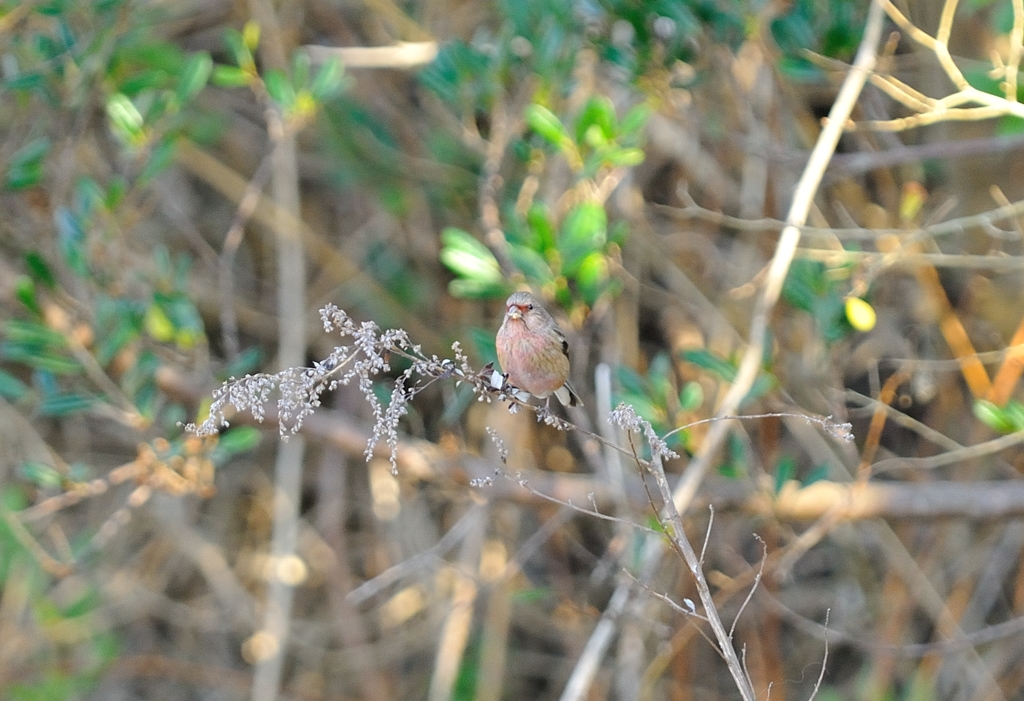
[{"x": 565, "y": 343}]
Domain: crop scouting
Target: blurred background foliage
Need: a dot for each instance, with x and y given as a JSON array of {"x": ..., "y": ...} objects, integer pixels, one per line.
[{"x": 628, "y": 162}]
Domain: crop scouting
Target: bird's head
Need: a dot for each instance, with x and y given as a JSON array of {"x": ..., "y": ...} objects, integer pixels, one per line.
[{"x": 520, "y": 304}]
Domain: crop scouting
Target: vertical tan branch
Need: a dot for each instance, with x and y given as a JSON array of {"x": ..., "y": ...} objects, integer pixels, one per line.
[
  {"x": 803, "y": 197},
  {"x": 291, "y": 285}
]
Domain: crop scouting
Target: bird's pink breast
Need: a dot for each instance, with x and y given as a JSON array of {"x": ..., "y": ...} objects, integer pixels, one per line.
[{"x": 532, "y": 361}]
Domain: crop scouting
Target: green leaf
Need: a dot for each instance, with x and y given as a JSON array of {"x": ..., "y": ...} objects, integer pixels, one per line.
[
  {"x": 236, "y": 44},
  {"x": 125, "y": 119},
  {"x": 123, "y": 329},
  {"x": 39, "y": 358},
  {"x": 539, "y": 220},
  {"x": 144, "y": 83},
  {"x": 26, "y": 166},
  {"x": 89, "y": 196},
  {"x": 1014, "y": 413},
  {"x": 137, "y": 382},
  {"x": 784, "y": 472},
  {"x": 279, "y": 88},
  {"x": 646, "y": 409},
  {"x": 27, "y": 81},
  {"x": 34, "y": 150},
  {"x": 159, "y": 159},
  {"x": 474, "y": 289},
  {"x": 468, "y": 258},
  {"x": 624, "y": 157},
  {"x": 792, "y": 32},
  {"x": 41, "y": 474},
  {"x": 805, "y": 284},
  {"x": 707, "y": 360},
  {"x": 24, "y": 176},
  {"x": 328, "y": 80},
  {"x": 735, "y": 462},
  {"x": 231, "y": 77},
  {"x": 237, "y": 440},
  {"x": 635, "y": 120},
  {"x": 599, "y": 113},
  {"x": 194, "y": 76},
  {"x": 246, "y": 362},
  {"x": 1009, "y": 125},
  {"x": 65, "y": 404},
  {"x": 800, "y": 70},
  {"x": 817, "y": 474},
  {"x": 594, "y": 138},
  {"x": 632, "y": 382},
  {"x": 659, "y": 373},
  {"x": 544, "y": 122},
  {"x": 532, "y": 264},
  {"x": 25, "y": 291},
  {"x": 87, "y": 601},
  {"x": 691, "y": 396},
  {"x": 300, "y": 69},
  {"x": 116, "y": 190},
  {"x": 762, "y": 386},
  {"x": 34, "y": 332},
  {"x": 529, "y": 596},
  {"x": 584, "y": 231},
  {"x": 618, "y": 233},
  {"x": 592, "y": 277},
  {"x": 251, "y": 35},
  {"x": 11, "y": 387},
  {"x": 159, "y": 325},
  {"x": 39, "y": 269},
  {"x": 482, "y": 341}
]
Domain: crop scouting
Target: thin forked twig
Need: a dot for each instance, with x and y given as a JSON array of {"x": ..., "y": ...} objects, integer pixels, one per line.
[
  {"x": 952, "y": 107},
  {"x": 753, "y": 587}
]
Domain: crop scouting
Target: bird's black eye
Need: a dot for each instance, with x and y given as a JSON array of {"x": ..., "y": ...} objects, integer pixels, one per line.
[{"x": 529, "y": 307}]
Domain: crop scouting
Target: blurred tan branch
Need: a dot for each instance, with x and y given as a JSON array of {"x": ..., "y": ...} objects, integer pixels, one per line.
[
  {"x": 400, "y": 55},
  {"x": 983, "y": 220}
]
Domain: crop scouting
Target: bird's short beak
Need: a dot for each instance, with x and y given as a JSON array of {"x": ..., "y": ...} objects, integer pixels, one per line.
[{"x": 514, "y": 312}]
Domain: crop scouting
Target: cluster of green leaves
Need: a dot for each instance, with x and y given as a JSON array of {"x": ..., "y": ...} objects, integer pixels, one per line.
[
  {"x": 569, "y": 255},
  {"x": 151, "y": 105},
  {"x": 821, "y": 292},
  {"x": 537, "y": 43},
  {"x": 117, "y": 335},
  {"x": 298, "y": 93},
  {"x": 78, "y": 54},
  {"x": 658, "y": 399},
  {"x": 639, "y": 36},
  {"x": 831, "y": 28},
  {"x": 597, "y": 141},
  {"x": 148, "y": 88}
]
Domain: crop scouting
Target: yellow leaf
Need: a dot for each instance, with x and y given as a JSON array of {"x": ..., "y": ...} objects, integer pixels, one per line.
[
  {"x": 159, "y": 325},
  {"x": 860, "y": 314},
  {"x": 251, "y": 35}
]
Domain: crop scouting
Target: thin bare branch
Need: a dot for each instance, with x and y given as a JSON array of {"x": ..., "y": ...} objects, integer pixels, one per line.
[{"x": 753, "y": 587}]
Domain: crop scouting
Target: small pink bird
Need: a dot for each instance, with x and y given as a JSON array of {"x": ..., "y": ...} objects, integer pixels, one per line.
[{"x": 533, "y": 351}]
